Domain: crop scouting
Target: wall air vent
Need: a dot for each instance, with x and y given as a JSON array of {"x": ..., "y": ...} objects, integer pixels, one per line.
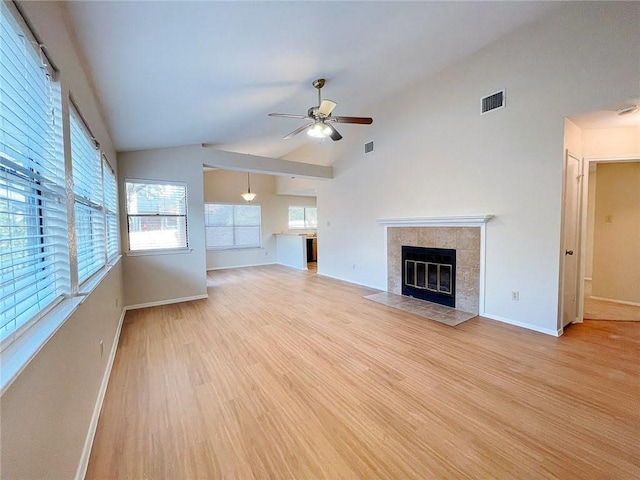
[
  {"x": 492, "y": 102},
  {"x": 368, "y": 147}
]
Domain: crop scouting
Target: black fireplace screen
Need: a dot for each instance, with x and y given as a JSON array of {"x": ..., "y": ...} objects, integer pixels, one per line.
[{"x": 429, "y": 274}]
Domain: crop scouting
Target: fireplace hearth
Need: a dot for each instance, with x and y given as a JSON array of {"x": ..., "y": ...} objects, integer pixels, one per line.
[{"x": 429, "y": 274}]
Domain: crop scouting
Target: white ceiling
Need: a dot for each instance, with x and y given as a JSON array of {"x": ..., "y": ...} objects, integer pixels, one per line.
[
  {"x": 609, "y": 117},
  {"x": 177, "y": 73}
]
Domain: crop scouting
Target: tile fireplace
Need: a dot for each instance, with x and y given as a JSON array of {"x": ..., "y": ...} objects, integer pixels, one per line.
[{"x": 464, "y": 281}]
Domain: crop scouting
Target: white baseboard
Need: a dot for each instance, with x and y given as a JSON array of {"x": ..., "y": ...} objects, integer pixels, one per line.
[
  {"x": 91, "y": 433},
  {"x": 535, "y": 328},
  {"x": 293, "y": 266},
  {"x": 166, "y": 302},
  {"x": 209, "y": 269},
  {"x": 528, "y": 326},
  {"x": 613, "y": 300},
  {"x": 351, "y": 281}
]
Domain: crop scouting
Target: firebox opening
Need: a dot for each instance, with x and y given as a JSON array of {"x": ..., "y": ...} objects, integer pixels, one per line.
[{"x": 429, "y": 274}]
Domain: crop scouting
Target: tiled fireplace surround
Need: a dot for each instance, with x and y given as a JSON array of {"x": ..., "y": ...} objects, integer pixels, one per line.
[{"x": 465, "y": 240}]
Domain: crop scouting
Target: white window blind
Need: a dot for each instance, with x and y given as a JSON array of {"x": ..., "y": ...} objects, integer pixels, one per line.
[
  {"x": 33, "y": 229},
  {"x": 110, "y": 208},
  {"x": 232, "y": 226},
  {"x": 156, "y": 215},
  {"x": 87, "y": 189},
  {"x": 303, "y": 217}
]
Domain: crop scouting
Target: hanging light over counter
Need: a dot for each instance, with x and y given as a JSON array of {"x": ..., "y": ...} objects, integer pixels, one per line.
[{"x": 248, "y": 196}]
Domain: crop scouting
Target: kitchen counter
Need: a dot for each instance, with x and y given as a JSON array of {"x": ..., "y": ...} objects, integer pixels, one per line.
[{"x": 295, "y": 250}]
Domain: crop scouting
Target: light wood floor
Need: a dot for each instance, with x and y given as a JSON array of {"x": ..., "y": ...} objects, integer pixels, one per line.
[
  {"x": 595, "y": 309},
  {"x": 284, "y": 374}
]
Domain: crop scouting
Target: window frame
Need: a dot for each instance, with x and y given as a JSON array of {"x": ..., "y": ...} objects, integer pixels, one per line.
[
  {"x": 49, "y": 184},
  {"x": 162, "y": 250},
  {"x": 85, "y": 201},
  {"x": 110, "y": 211},
  {"x": 234, "y": 246},
  {"x": 305, "y": 208},
  {"x": 34, "y": 182}
]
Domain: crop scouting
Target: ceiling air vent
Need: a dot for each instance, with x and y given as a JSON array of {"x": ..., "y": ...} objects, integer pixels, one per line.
[
  {"x": 492, "y": 102},
  {"x": 368, "y": 147}
]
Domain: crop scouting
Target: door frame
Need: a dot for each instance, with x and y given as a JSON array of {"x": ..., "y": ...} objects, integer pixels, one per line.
[
  {"x": 581, "y": 212},
  {"x": 582, "y": 267}
]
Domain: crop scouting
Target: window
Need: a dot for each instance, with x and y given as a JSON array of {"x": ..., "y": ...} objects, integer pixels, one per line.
[
  {"x": 303, "y": 217},
  {"x": 156, "y": 215},
  {"x": 110, "y": 208},
  {"x": 89, "y": 200},
  {"x": 33, "y": 219},
  {"x": 232, "y": 226}
]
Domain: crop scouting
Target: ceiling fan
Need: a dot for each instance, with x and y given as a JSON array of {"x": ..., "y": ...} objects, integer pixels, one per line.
[{"x": 321, "y": 124}]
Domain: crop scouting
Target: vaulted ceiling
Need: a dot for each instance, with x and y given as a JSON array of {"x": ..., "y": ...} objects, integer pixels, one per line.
[{"x": 177, "y": 73}]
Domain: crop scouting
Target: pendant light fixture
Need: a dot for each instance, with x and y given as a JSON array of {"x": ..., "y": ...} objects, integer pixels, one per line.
[{"x": 248, "y": 196}]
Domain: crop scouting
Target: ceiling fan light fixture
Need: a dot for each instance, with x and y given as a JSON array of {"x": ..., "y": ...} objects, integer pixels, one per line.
[
  {"x": 319, "y": 130},
  {"x": 248, "y": 195},
  {"x": 627, "y": 110},
  {"x": 320, "y": 118}
]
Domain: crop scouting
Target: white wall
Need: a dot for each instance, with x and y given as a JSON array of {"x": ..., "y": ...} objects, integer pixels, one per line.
[
  {"x": 47, "y": 411},
  {"x": 225, "y": 187},
  {"x": 612, "y": 142},
  {"x": 159, "y": 278},
  {"x": 435, "y": 155},
  {"x": 297, "y": 186},
  {"x": 573, "y": 138}
]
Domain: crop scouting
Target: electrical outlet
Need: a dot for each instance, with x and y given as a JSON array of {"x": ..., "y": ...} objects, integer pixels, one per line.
[
  {"x": 101, "y": 348},
  {"x": 515, "y": 296}
]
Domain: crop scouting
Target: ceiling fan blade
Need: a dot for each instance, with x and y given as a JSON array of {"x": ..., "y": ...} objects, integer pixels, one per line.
[
  {"x": 298, "y": 130},
  {"x": 326, "y": 107},
  {"x": 287, "y": 115},
  {"x": 359, "y": 120},
  {"x": 335, "y": 135}
]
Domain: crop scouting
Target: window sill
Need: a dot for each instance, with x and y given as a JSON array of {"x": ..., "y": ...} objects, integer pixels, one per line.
[
  {"x": 27, "y": 343},
  {"x": 93, "y": 281},
  {"x": 170, "y": 251}
]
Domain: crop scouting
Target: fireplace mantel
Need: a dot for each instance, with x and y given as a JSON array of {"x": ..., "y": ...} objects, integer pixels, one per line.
[{"x": 451, "y": 221}]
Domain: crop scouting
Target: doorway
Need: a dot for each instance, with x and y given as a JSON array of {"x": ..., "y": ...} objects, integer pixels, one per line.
[
  {"x": 612, "y": 238},
  {"x": 312, "y": 253},
  {"x": 611, "y": 134}
]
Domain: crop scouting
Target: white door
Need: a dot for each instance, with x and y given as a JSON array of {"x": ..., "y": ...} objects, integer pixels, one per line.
[{"x": 571, "y": 229}]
